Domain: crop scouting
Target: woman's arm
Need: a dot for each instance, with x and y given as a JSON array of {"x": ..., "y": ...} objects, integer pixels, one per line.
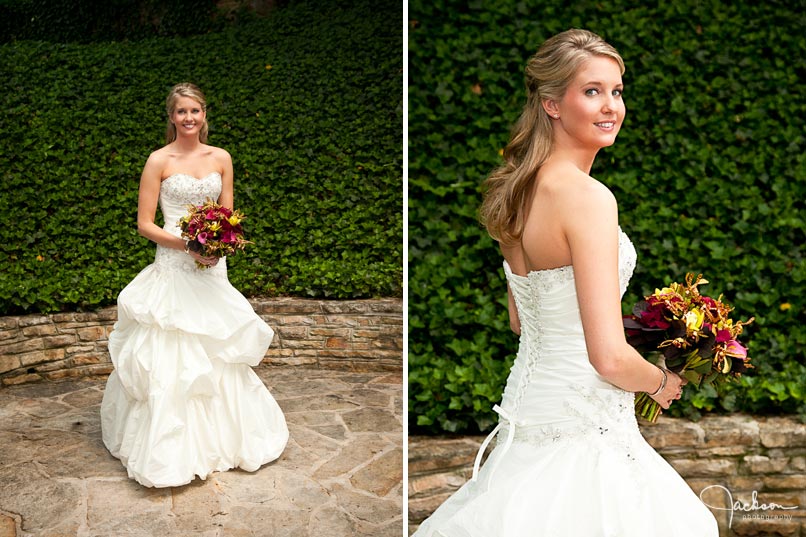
[
  {"x": 513, "y": 254},
  {"x": 148, "y": 198},
  {"x": 227, "y": 197},
  {"x": 591, "y": 228},
  {"x": 514, "y": 320}
]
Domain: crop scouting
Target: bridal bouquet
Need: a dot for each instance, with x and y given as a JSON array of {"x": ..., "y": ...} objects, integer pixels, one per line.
[
  {"x": 692, "y": 334},
  {"x": 213, "y": 230}
]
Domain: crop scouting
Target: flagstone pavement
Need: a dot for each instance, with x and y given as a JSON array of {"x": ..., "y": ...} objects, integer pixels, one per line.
[{"x": 340, "y": 475}]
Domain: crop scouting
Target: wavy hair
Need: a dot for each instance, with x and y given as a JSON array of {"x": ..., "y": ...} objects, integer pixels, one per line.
[
  {"x": 185, "y": 89},
  {"x": 548, "y": 74}
]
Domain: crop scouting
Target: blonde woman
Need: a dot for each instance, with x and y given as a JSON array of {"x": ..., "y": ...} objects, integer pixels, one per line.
[
  {"x": 183, "y": 400},
  {"x": 569, "y": 458}
]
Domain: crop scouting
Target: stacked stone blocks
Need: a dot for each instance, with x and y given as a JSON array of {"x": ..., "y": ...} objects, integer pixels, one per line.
[{"x": 355, "y": 335}]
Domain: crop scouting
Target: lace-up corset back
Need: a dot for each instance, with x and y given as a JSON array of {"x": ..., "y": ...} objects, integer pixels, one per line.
[
  {"x": 180, "y": 190},
  {"x": 546, "y": 299},
  {"x": 552, "y": 342}
]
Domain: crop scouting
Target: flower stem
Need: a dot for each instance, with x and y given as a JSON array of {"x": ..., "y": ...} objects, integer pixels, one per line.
[{"x": 646, "y": 407}]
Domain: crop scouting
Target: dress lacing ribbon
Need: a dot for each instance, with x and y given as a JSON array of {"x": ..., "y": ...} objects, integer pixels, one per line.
[{"x": 505, "y": 416}]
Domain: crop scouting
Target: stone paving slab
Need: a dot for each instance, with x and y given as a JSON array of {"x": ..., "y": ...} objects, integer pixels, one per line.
[{"x": 340, "y": 475}]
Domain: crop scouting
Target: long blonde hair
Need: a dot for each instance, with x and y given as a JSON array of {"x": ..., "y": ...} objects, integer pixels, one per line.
[
  {"x": 548, "y": 74},
  {"x": 185, "y": 89}
]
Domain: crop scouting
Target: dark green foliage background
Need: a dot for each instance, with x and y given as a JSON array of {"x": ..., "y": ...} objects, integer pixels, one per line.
[
  {"x": 315, "y": 140},
  {"x": 709, "y": 172},
  {"x": 86, "y": 21}
]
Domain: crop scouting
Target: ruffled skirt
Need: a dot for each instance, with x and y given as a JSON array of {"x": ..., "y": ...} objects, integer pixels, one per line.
[{"x": 183, "y": 400}]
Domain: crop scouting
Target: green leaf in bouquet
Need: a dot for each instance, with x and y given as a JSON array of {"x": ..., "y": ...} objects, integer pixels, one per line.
[
  {"x": 676, "y": 362},
  {"x": 702, "y": 368},
  {"x": 693, "y": 377},
  {"x": 698, "y": 364},
  {"x": 710, "y": 378},
  {"x": 696, "y": 359}
]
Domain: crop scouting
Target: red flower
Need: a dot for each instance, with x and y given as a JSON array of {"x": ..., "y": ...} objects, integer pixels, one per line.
[
  {"x": 708, "y": 301},
  {"x": 722, "y": 336},
  {"x": 228, "y": 237},
  {"x": 653, "y": 318}
]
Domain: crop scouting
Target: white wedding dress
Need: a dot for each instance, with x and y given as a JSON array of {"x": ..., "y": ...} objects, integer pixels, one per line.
[
  {"x": 183, "y": 400},
  {"x": 569, "y": 459}
]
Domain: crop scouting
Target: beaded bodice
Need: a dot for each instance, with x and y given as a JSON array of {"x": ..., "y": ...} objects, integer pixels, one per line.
[
  {"x": 176, "y": 193},
  {"x": 180, "y": 190}
]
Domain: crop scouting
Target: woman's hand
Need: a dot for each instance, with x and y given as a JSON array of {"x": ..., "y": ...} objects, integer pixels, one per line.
[
  {"x": 194, "y": 249},
  {"x": 672, "y": 390},
  {"x": 206, "y": 261}
]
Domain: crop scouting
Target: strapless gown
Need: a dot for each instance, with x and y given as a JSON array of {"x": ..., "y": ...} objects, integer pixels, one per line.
[
  {"x": 183, "y": 400},
  {"x": 569, "y": 460}
]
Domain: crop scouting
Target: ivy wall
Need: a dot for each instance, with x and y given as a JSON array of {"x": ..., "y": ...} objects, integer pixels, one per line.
[
  {"x": 309, "y": 103},
  {"x": 709, "y": 170}
]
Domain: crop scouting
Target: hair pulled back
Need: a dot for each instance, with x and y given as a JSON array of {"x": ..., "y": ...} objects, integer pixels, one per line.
[
  {"x": 548, "y": 74},
  {"x": 185, "y": 89}
]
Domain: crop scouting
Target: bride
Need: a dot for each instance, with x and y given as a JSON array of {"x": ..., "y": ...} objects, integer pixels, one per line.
[
  {"x": 183, "y": 400},
  {"x": 569, "y": 459}
]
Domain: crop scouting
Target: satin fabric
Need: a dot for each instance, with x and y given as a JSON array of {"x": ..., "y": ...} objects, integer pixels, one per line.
[
  {"x": 569, "y": 459},
  {"x": 183, "y": 400}
]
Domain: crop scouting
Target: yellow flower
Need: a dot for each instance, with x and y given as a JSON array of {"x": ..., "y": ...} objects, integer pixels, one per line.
[
  {"x": 501, "y": 152},
  {"x": 665, "y": 294},
  {"x": 40, "y": 258},
  {"x": 268, "y": 67},
  {"x": 234, "y": 220},
  {"x": 785, "y": 306},
  {"x": 694, "y": 319},
  {"x": 215, "y": 226}
]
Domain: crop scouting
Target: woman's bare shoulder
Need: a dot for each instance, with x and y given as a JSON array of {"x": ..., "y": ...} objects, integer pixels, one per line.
[
  {"x": 158, "y": 159},
  {"x": 217, "y": 152},
  {"x": 573, "y": 190}
]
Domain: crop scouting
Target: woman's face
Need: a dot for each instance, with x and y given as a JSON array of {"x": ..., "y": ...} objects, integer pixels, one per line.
[
  {"x": 188, "y": 116},
  {"x": 592, "y": 110}
]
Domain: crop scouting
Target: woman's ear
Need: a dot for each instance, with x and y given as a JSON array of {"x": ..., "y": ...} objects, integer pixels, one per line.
[{"x": 551, "y": 107}]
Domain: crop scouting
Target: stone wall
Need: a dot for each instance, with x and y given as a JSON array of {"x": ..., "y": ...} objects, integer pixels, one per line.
[
  {"x": 359, "y": 335},
  {"x": 739, "y": 454}
]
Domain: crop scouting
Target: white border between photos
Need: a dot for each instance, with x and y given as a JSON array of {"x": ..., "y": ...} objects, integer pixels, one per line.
[{"x": 405, "y": 398}]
